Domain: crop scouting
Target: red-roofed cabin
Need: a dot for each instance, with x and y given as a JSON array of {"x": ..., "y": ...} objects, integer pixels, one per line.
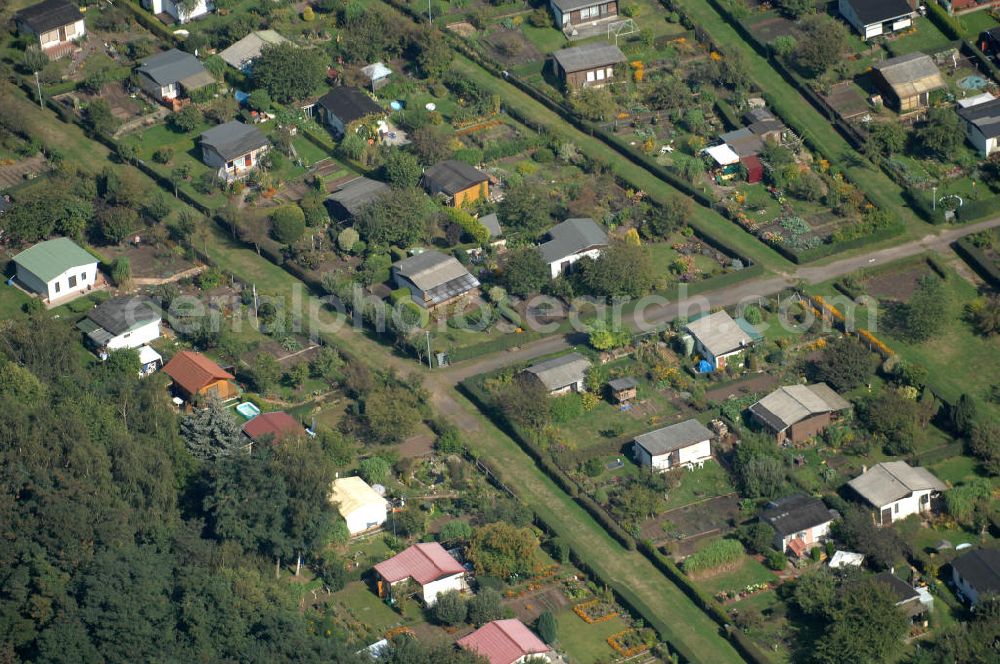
[
  {"x": 505, "y": 642},
  {"x": 755, "y": 169},
  {"x": 430, "y": 567},
  {"x": 272, "y": 427},
  {"x": 195, "y": 375}
]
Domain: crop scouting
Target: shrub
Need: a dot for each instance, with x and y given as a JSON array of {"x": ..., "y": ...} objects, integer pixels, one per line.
[
  {"x": 485, "y": 606},
  {"x": 163, "y": 155},
  {"x": 543, "y": 156},
  {"x": 374, "y": 470},
  {"x": 719, "y": 554},
  {"x": 186, "y": 119},
  {"x": 547, "y": 627},
  {"x": 451, "y": 608},
  {"x": 288, "y": 223},
  {"x": 776, "y": 560},
  {"x": 347, "y": 239}
]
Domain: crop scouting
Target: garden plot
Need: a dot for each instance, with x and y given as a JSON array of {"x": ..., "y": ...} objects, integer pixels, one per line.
[{"x": 150, "y": 262}]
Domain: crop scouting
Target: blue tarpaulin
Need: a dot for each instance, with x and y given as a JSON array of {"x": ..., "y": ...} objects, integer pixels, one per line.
[
  {"x": 705, "y": 366},
  {"x": 241, "y": 96}
]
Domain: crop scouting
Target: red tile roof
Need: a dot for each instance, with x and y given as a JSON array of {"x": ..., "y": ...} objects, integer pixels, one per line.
[
  {"x": 504, "y": 641},
  {"x": 193, "y": 371},
  {"x": 278, "y": 425},
  {"x": 424, "y": 562}
]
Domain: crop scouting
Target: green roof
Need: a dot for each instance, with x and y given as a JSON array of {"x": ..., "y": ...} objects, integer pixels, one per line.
[{"x": 47, "y": 260}]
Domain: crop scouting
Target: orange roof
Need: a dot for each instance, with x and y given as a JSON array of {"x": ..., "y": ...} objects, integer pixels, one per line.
[
  {"x": 278, "y": 424},
  {"x": 503, "y": 641},
  {"x": 798, "y": 547},
  {"x": 193, "y": 371},
  {"x": 425, "y": 562}
]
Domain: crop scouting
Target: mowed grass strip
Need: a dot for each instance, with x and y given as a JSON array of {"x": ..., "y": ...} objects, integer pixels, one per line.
[{"x": 661, "y": 602}]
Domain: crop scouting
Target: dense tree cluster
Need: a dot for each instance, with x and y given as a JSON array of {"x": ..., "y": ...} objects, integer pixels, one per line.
[{"x": 99, "y": 560}]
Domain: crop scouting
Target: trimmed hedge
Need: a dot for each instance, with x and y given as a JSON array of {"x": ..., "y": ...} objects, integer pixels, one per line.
[
  {"x": 979, "y": 261},
  {"x": 707, "y": 603},
  {"x": 945, "y": 23},
  {"x": 474, "y": 392},
  {"x": 150, "y": 22}
]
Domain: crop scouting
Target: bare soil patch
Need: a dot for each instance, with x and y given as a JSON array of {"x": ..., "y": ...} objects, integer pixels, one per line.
[
  {"x": 148, "y": 261},
  {"x": 529, "y": 606},
  {"x": 896, "y": 286},
  {"x": 754, "y": 384},
  {"x": 512, "y": 48}
]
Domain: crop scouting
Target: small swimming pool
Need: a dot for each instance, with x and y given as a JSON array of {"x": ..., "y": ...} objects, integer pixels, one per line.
[
  {"x": 248, "y": 410},
  {"x": 973, "y": 82}
]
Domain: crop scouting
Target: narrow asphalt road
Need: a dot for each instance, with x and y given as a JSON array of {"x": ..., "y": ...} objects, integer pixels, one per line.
[{"x": 657, "y": 311}]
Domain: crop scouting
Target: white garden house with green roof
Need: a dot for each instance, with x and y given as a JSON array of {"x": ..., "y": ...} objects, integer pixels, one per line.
[{"x": 56, "y": 269}]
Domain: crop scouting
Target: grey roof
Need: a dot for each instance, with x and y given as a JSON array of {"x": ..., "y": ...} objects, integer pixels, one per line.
[
  {"x": 911, "y": 74},
  {"x": 890, "y": 481},
  {"x": 796, "y": 513},
  {"x": 588, "y": 56},
  {"x": 673, "y": 437},
  {"x": 758, "y": 115},
  {"x": 349, "y": 104},
  {"x": 572, "y": 237},
  {"x": 743, "y": 142},
  {"x": 623, "y": 383},
  {"x": 985, "y": 117},
  {"x": 243, "y": 52},
  {"x": 356, "y": 194},
  {"x": 451, "y": 177},
  {"x": 176, "y": 66},
  {"x": 560, "y": 371},
  {"x": 876, "y": 11},
  {"x": 903, "y": 591},
  {"x": 572, "y": 5},
  {"x": 439, "y": 276},
  {"x": 980, "y": 569},
  {"x": 233, "y": 139},
  {"x": 793, "y": 403},
  {"x": 49, "y": 15},
  {"x": 765, "y": 127},
  {"x": 117, "y": 316},
  {"x": 492, "y": 224},
  {"x": 719, "y": 333},
  {"x": 121, "y": 314}
]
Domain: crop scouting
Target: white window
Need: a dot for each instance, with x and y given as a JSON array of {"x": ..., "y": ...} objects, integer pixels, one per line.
[
  {"x": 600, "y": 74},
  {"x": 611, "y": 72},
  {"x": 590, "y": 77},
  {"x": 895, "y": 508},
  {"x": 588, "y": 13}
]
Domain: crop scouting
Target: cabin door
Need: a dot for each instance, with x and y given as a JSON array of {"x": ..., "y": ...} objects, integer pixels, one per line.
[
  {"x": 62, "y": 34},
  {"x": 674, "y": 459},
  {"x": 886, "y": 516}
]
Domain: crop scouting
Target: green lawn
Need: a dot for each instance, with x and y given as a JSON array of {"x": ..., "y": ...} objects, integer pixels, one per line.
[
  {"x": 585, "y": 643},
  {"x": 750, "y": 571},
  {"x": 546, "y": 39},
  {"x": 956, "y": 470},
  {"x": 709, "y": 481},
  {"x": 958, "y": 360},
  {"x": 370, "y": 612},
  {"x": 927, "y": 39},
  {"x": 11, "y": 302},
  {"x": 977, "y": 22}
]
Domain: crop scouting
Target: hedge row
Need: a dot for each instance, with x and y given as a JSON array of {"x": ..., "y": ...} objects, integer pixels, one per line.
[
  {"x": 474, "y": 392},
  {"x": 980, "y": 262},
  {"x": 938, "y": 15},
  {"x": 150, "y": 22},
  {"x": 828, "y": 249},
  {"x": 705, "y": 602}
]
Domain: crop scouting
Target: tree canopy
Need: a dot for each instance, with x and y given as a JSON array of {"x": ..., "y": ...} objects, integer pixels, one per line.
[{"x": 288, "y": 72}]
